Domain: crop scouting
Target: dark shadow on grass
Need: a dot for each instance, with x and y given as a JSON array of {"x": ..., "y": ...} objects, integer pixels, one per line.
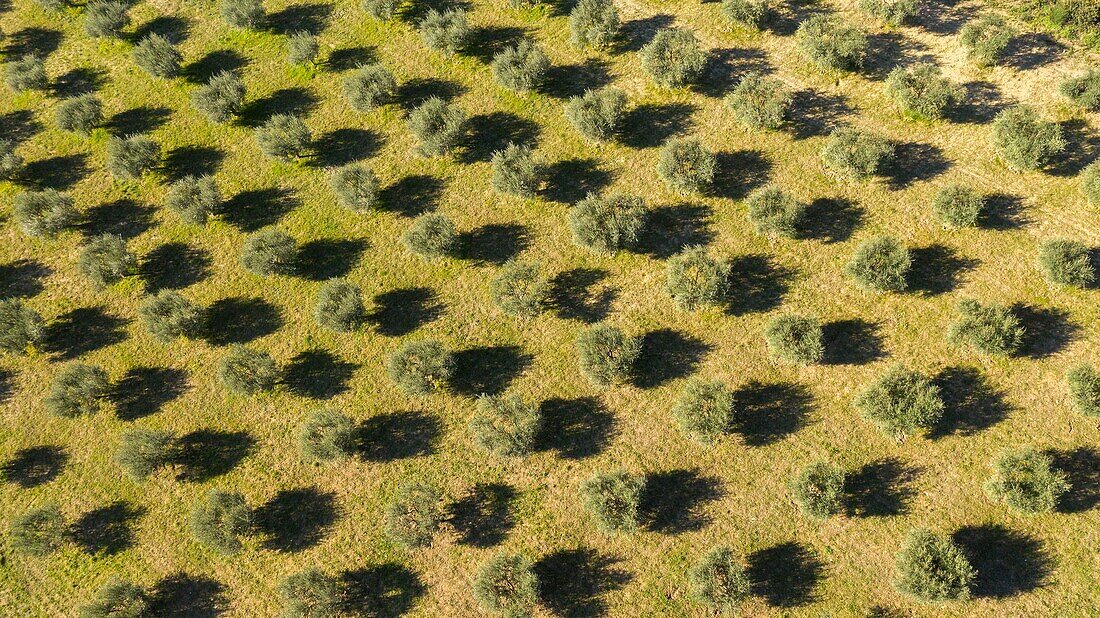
[
  {"x": 971, "y": 403},
  {"x": 400, "y": 312},
  {"x": 887, "y": 50},
  {"x": 143, "y": 119},
  {"x": 78, "y": 81},
  {"x": 768, "y": 412},
  {"x": 343, "y": 146},
  {"x": 667, "y": 355},
  {"x": 488, "y": 370},
  {"x": 325, "y": 258},
  {"x": 19, "y": 125},
  {"x": 7, "y": 386},
  {"x": 944, "y": 17},
  {"x": 651, "y": 124},
  {"x": 571, "y": 180},
  {"x": 173, "y": 266},
  {"x": 982, "y": 102},
  {"x": 253, "y": 209},
  {"x": 142, "y": 391},
  {"x": 187, "y": 596},
  {"x": 311, "y": 18},
  {"x": 383, "y": 591},
  {"x": 205, "y": 454},
  {"x": 725, "y": 67},
  {"x": 1082, "y": 148},
  {"x": 191, "y": 161},
  {"x": 32, "y": 40},
  {"x": 488, "y": 133},
  {"x": 398, "y": 435},
  {"x": 1001, "y": 211},
  {"x": 495, "y": 243},
  {"x": 122, "y": 217},
  {"x": 1008, "y": 562},
  {"x": 740, "y": 172},
  {"x": 296, "y": 519},
  {"x": 635, "y": 34},
  {"x": 413, "y": 92},
  {"x": 578, "y": 294},
  {"x": 295, "y": 100},
  {"x": 483, "y": 516},
  {"x": 172, "y": 27},
  {"x": 348, "y": 58},
  {"x": 213, "y": 62},
  {"x": 785, "y": 575},
  {"x": 913, "y": 162},
  {"x": 880, "y": 488},
  {"x": 756, "y": 284},
  {"x": 575, "y": 582},
  {"x": 1032, "y": 50},
  {"x": 35, "y": 465},
  {"x": 575, "y": 428},
  {"x": 61, "y": 172},
  {"x": 84, "y": 330},
  {"x": 813, "y": 113},
  {"x": 851, "y": 342},
  {"x": 22, "y": 278},
  {"x": 1081, "y": 466},
  {"x": 412, "y": 195},
  {"x": 106, "y": 530},
  {"x": 670, "y": 229},
  {"x": 564, "y": 81},
  {"x": 317, "y": 374},
  {"x": 485, "y": 42},
  {"x": 673, "y": 501},
  {"x": 1048, "y": 330},
  {"x": 937, "y": 269},
  {"x": 240, "y": 320}
]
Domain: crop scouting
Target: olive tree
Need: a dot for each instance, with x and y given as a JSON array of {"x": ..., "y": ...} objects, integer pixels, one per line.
[
  {"x": 880, "y": 264},
  {"x": 106, "y": 260},
  {"x": 686, "y": 166},
  {"x": 759, "y": 101},
  {"x": 901, "y": 402},
  {"x": 608, "y": 224},
  {"x": 1026, "y": 481},
  {"x": 247, "y": 371},
  {"x": 1066, "y": 262},
  {"x": 194, "y": 198},
  {"x": 958, "y": 206},
  {"x": 921, "y": 91},
  {"x": 26, "y": 73},
  {"x": 988, "y": 328},
  {"x": 695, "y": 279},
  {"x": 311, "y": 594},
  {"x": 613, "y": 499},
  {"x": 673, "y": 58},
  {"x": 704, "y": 410},
  {"x": 830, "y": 43},
  {"x": 106, "y": 18},
  {"x": 301, "y": 47},
  {"x": 446, "y": 31},
  {"x": 431, "y": 235},
  {"x": 597, "y": 114},
  {"x": 856, "y": 154},
  {"x": 39, "y": 531},
  {"x": 1084, "y": 387},
  {"x": 819, "y": 489},
  {"x": 141, "y": 452},
  {"x": 76, "y": 389},
  {"x": 521, "y": 289},
  {"x": 1024, "y": 140},
  {"x": 1083, "y": 91},
  {"x": 11, "y": 163},
  {"x": 508, "y": 586},
  {"x": 932, "y": 568},
  {"x": 220, "y": 99},
  {"x": 339, "y": 306},
  {"x": 505, "y": 425},
  {"x": 118, "y": 598},
  {"x": 420, "y": 367},
  {"x": 158, "y": 56},
  {"x": 515, "y": 171},
  {"x": 220, "y": 521},
  {"x": 369, "y": 86},
  {"x": 774, "y": 212},
  {"x": 985, "y": 39},
  {"x": 327, "y": 435},
  {"x": 522, "y": 67},
  {"x": 242, "y": 13},
  {"x": 594, "y": 23},
  {"x": 719, "y": 581},
  {"x": 747, "y": 13},
  {"x": 168, "y": 315},
  {"x": 606, "y": 355},
  {"x": 80, "y": 114},
  {"x": 1090, "y": 183},
  {"x": 414, "y": 516},
  {"x": 269, "y": 251},
  {"x": 44, "y": 213},
  {"x": 437, "y": 125},
  {"x": 131, "y": 156},
  {"x": 20, "y": 326},
  {"x": 283, "y": 137},
  {"x": 356, "y": 187},
  {"x": 795, "y": 339},
  {"x": 893, "y": 12}
]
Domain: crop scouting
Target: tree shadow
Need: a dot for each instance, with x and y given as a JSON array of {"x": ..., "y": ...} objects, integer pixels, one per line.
[
  {"x": 35, "y": 465},
  {"x": 575, "y": 428},
  {"x": 571, "y": 180},
  {"x": 813, "y": 113},
  {"x": 573, "y": 582},
  {"x": 1007, "y": 562},
  {"x": 106, "y": 530},
  {"x": 1001, "y": 211},
  {"x": 295, "y": 100},
  {"x": 240, "y": 320},
  {"x": 981, "y": 103},
  {"x": 944, "y": 17},
  {"x": 635, "y": 34},
  {"x": 172, "y": 27},
  {"x": 326, "y": 258},
  {"x": 142, "y": 391},
  {"x": 937, "y": 269},
  {"x": 414, "y": 13},
  {"x": 412, "y": 195},
  {"x": 383, "y": 591},
  {"x": 1048, "y": 330},
  {"x": 296, "y": 519},
  {"x": 564, "y": 81},
  {"x": 1032, "y": 50},
  {"x": 19, "y": 125},
  {"x": 84, "y": 330},
  {"x": 651, "y": 124},
  {"x": 576, "y": 294},
  {"x": 740, "y": 172},
  {"x": 483, "y": 516},
  {"x": 887, "y": 50},
  {"x": 191, "y": 161},
  {"x": 672, "y": 501},
  {"x": 725, "y": 66},
  {"x": 173, "y": 266},
  {"x": 33, "y": 40},
  {"x": 880, "y": 488},
  {"x": 213, "y": 62},
  {"x": 123, "y": 217},
  {"x": 400, "y": 312},
  {"x": 6, "y": 385},
  {"x": 343, "y": 146},
  {"x": 667, "y": 355},
  {"x": 347, "y": 58},
  {"x": 913, "y": 162},
  {"x": 317, "y": 374},
  {"x": 414, "y": 92},
  {"x": 488, "y": 370},
  {"x": 60, "y": 172},
  {"x": 785, "y": 575},
  {"x": 309, "y": 17},
  {"x": 187, "y": 596},
  {"x": 1081, "y": 466},
  {"x": 204, "y": 454},
  {"x": 768, "y": 412},
  {"x": 756, "y": 284},
  {"x": 485, "y": 42},
  {"x": 1082, "y": 148},
  {"x": 785, "y": 17},
  {"x": 141, "y": 119},
  {"x": 495, "y": 243},
  {"x": 398, "y": 435},
  {"x": 253, "y": 209},
  {"x": 971, "y": 403},
  {"x": 78, "y": 81},
  {"x": 851, "y": 342},
  {"x": 22, "y": 278},
  {"x": 488, "y": 133},
  {"x": 670, "y": 229}
]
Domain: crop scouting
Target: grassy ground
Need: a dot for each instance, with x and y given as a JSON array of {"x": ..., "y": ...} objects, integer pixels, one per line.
[{"x": 735, "y": 492}]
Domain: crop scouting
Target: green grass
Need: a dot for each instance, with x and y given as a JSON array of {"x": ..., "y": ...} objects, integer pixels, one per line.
[{"x": 795, "y": 415}]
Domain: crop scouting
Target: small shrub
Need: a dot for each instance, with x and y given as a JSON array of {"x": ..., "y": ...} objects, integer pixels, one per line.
[
  {"x": 339, "y": 306},
  {"x": 719, "y": 581},
  {"x": 118, "y": 598},
  {"x": 694, "y": 279},
  {"x": 608, "y": 224},
  {"x": 242, "y": 13},
  {"x": 356, "y": 187},
  {"x": 832, "y": 44},
  {"x": 78, "y": 388},
  {"x": 818, "y": 489},
  {"x": 1090, "y": 183},
  {"x": 507, "y": 586},
  {"x": 747, "y": 13},
  {"x": 420, "y": 367},
  {"x": 193, "y": 198},
  {"x": 686, "y": 166},
  {"x": 521, "y": 68},
  {"x": 856, "y": 154},
  {"x": 921, "y": 91},
  {"x": 247, "y": 371},
  {"x": 674, "y": 58},
  {"x": 958, "y": 206},
  {"x": 1024, "y": 140},
  {"x": 893, "y": 12},
  {"x": 1066, "y": 262},
  {"x": 26, "y": 73},
  {"x": 1023, "y": 479},
  {"x": 431, "y": 235},
  {"x": 932, "y": 568},
  {"x": 158, "y": 56},
  {"x": 283, "y": 137},
  {"x": 795, "y": 339},
  {"x": 327, "y": 435},
  {"x": 606, "y": 355},
  {"x": 520, "y": 289},
  {"x": 310, "y": 594},
  {"x": 773, "y": 212},
  {"x": 759, "y": 102},
  {"x": 20, "y": 326},
  {"x": 613, "y": 498},
  {"x": 880, "y": 264},
  {"x": 515, "y": 171},
  {"x": 106, "y": 260},
  {"x": 415, "y": 515},
  {"x": 704, "y": 410},
  {"x": 1083, "y": 91},
  {"x": 10, "y": 161},
  {"x": 38, "y": 532},
  {"x": 382, "y": 10},
  {"x": 901, "y": 402},
  {"x": 79, "y": 114},
  {"x": 1084, "y": 387},
  {"x": 445, "y": 32},
  {"x": 168, "y": 315},
  {"x": 505, "y": 425},
  {"x": 597, "y": 114},
  {"x": 220, "y": 520},
  {"x": 44, "y": 213},
  {"x": 301, "y": 47},
  {"x": 106, "y": 18},
  {"x": 220, "y": 98},
  {"x": 142, "y": 451},
  {"x": 989, "y": 329},
  {"x": 369, "y": 86},
  {"x": 130, "y": 157},
  {"x": 594, "y": 23},
  {"x": 438, "y": 125},
  {"x": 270, "y": 251},
  {"x": 985, "y": 39}
]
